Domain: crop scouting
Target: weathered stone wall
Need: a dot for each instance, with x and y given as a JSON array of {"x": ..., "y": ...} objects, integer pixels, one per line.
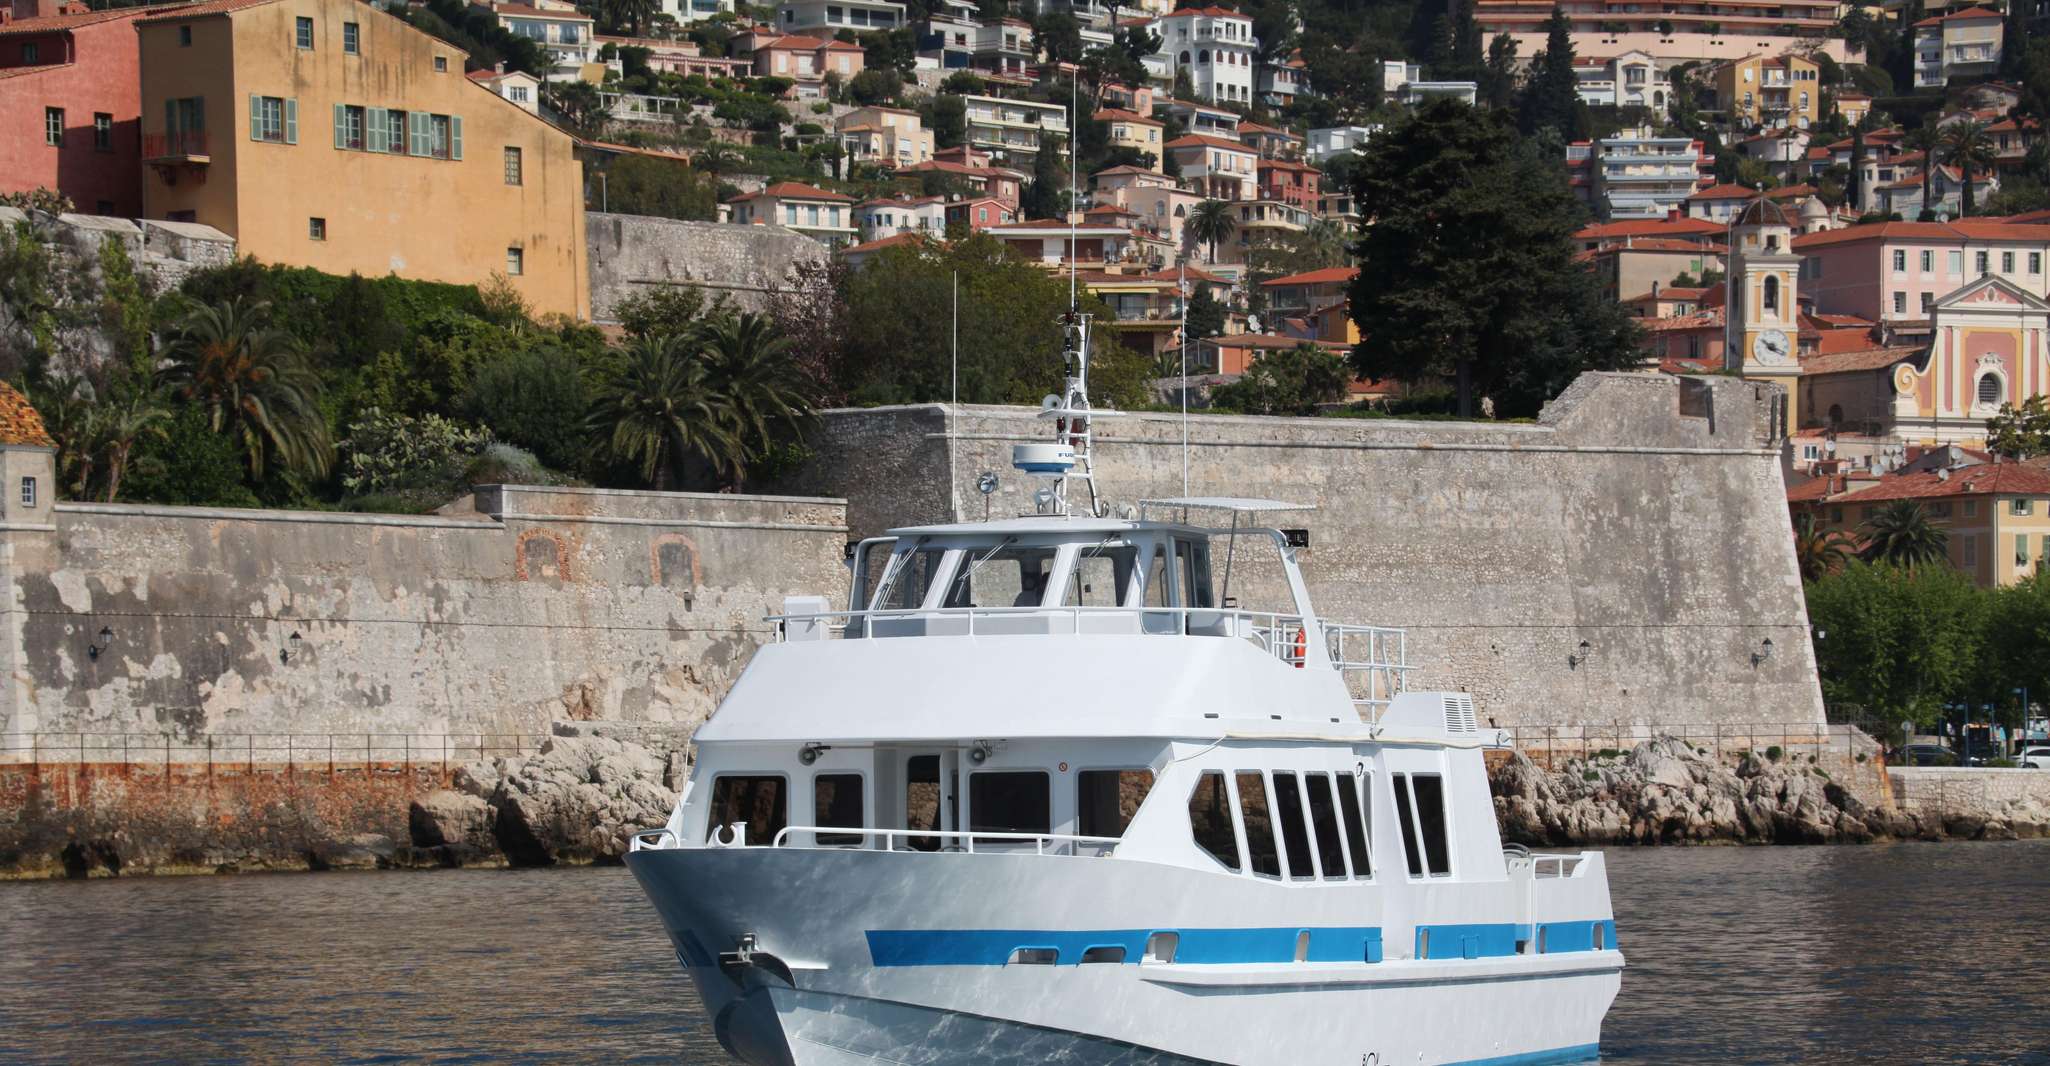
[
  {"x": 1974, "y": 792},
  {"x": 1642, "y": 514},
  {"x": 630, "y": 254},
  {"x": 544, "y": 603}
]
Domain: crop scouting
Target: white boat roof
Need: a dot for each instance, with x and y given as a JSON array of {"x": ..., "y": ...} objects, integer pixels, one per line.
[{"x": 1031, "y": 524}]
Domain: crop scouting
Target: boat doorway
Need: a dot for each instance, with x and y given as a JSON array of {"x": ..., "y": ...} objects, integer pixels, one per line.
[{"x": 932, "y": 795}]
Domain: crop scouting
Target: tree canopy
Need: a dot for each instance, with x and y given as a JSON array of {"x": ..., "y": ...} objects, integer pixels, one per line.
[{"x": 1468, "y": 272}]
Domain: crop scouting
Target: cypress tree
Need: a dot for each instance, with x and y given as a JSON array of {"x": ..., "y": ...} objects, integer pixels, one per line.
[{"x": 1552, "y": 97}]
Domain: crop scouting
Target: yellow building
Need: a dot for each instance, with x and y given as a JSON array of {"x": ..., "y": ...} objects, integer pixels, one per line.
[
  {"x": 1997, "y": 514},
  {"x": 1769, "y": 91},
  {"x": 326, "y": 134},
  {"x": 1137, "y": 132}
]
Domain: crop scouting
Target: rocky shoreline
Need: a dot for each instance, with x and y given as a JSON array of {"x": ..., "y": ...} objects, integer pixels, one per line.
[{"x": 1666, "y": 791}]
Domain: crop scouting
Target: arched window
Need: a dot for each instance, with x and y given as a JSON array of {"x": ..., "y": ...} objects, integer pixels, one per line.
[
  {"x": 1989, "y": 390},
  {"x": 1185, "y": 58},
  {"x": 1772, "y": 293},
  {"x": 1658, "y": 99},
  {"x": 1203, "y": 56},
  {"x": 1181, "y": 211},
  {"x": 1836, "y": 414}
]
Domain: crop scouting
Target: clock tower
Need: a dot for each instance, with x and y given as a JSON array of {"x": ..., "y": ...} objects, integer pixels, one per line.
[{"x": 1762, "y": 321}]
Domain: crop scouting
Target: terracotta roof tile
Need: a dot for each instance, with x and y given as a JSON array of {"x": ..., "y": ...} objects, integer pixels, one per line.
[
  {"x": 1849, "y": 362},
  {"x": 19, "y": 422},
  {"x": 208, "y": 7},
  {"x": 1990, "y": 479},
  {"x": 1316, "y": 277}
]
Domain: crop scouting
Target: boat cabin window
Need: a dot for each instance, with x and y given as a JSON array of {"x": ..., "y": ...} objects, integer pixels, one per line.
[
  {"x": 1210, "y": 820},
  {"x": 922, "y": 800},
  {"x": 1288, "y": 810},
  {"x": 1420, "y": 806},
  {"x": 1253, "y": 810},
  {"x": 1192, "y": 562},
  {"x": 910, "y": 574},
  {"x": 836, "y": 802},
  {"x": 1106, "y": 800},
  {"x": 759, "y": 801},
  {"x": 1003, "y": 576},
  {"x": 867, "y": 565},
  {"x": 1355, "y": 809},
  {"x": 1324, "y": 825},
  {"x": 1158, "y": 588},
  {"x": 1100, "y": 577},
  {"x": 1009, "y": 801}
]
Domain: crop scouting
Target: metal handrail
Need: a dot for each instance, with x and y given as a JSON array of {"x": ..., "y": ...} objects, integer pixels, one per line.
[
  {"x": 652, "y": 840},
  {"x": 890, "y": 836}
]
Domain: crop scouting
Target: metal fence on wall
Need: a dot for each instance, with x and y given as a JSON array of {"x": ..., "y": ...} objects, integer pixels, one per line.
[
  {"x": 292, "y": 752},
  {"x": 1547, "y": 743}
]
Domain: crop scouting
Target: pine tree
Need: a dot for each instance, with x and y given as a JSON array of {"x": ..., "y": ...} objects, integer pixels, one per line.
[
  {"x": 1551, "y": 99},
  {"x": 1498, "y": 78},
  {"x": 1468, "y": 56}
]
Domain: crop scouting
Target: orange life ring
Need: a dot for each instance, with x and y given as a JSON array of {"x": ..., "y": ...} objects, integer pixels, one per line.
[{"x": 1302, "y": 647}]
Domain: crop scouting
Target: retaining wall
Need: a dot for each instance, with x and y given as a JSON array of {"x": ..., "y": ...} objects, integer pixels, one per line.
[
  {"x": 535, "y": 605},
  {"x": 1947, "y": 791},
  {"x": 630, "y": 254},
  {"x": 1644, "y": 515}
]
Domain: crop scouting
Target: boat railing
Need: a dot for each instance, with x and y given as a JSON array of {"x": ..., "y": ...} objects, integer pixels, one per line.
[
  {"x": 1375, "y": 657},
  {"x": 653, "y": 840},
  {"x": 965, "y": 841},
  {"x": 1542, "y": 864}
]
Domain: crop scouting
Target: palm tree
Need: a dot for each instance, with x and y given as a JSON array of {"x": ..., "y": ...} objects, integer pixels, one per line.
[
  {"x": 1926, "y": 139},
  {"x": 254, "y": 383},
  {"x": 1901, "y": 535},
  {"x": 1324, "y": 243},
  {"x": 661, "y": 409},
  {"x": 1212, "y": 221},
  {"x": 752, "y": 370},
  {"x": 1969, "y": 147},
  {"x": 1819, "y": 551},
  {"x": 633, "y": 14},
  {"x": 132, "y": 415}
]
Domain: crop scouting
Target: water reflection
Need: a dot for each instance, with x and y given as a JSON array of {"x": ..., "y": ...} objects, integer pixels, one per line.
[{"x": 1903, "y": 953}]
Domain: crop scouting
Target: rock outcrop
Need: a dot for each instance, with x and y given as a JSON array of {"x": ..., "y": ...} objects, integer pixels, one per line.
[
  {"x": 577, "y": 800},
  {"x": 1666, "y": 791}
]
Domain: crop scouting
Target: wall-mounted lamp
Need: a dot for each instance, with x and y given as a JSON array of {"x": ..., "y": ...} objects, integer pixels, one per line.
[
  {"x": 1574, "y": 661},
  {"x": 979, "y": 754},
  {"x": 291, "y": 648},
  {"x": 1763, "y": 653},
  {"x": 92, "y": 651}
]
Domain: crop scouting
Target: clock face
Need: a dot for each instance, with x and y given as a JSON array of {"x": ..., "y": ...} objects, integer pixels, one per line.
[{"x": 1771, "y": 348}]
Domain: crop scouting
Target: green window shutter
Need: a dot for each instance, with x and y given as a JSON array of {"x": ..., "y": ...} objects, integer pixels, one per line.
[
  {"x": 419, "y": 132},
  {"x": 455, "y": 137},
  {"x": 291, "y": 120},
  {"x": 341, "y": 121},
  {"x": 255, "y": 117},
  {"x": 378, "y": 141}
]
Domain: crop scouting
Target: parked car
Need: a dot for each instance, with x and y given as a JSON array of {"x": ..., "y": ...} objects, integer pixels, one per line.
[
  {"x": 2033, "y": 759},
  {"x": 1926, "y": 755}
]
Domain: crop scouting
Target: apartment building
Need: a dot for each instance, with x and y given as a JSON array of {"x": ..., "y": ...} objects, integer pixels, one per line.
[
  {"x": 1049, "y": 243},
  {"x": 521, "y": 89},
  {"x": 1965, "y": 44},
  {"x": 1004, "y": 46},
  {"x": 689, "y": 11},
  {"x": 1297, "y": 184},
  {"x": 1336, "y": 140},
  {"x": 888, "y": 136},
  {"x": 1158, "y": 203},
  {"x": 1277, "y": 82},
  {"x": 1215, "y": 167},
  {"x": 566, "y": 35},
  {"x": 1216, "y": 46},
  {"x": 1771, "y": 91},
  {"x": 1011, "y": 131},
  {"x": 824, "y": 18},
  {"x": 1613, "y": 27},
  {"x": 1197, "y": 117},
  {"x": 327, "y": 134},
  {"x": 70, "y": 108},
  {"x": 1896, "y": 272},
  {"x": 1129, "y": 129},
  {"x": 812, "y": 211},
  {"x": 882, "y": 219},
  {"x": 1263, "y": 224},
  {"x": 1632, "y": 79},
  {"x": 1636, "y": 175},
  {"x": 1997, "y": 515},
  {"x": 1405, "y": 82},
  {"x": 1272, "y": 142},
  {"x": 806, "y": 61}
]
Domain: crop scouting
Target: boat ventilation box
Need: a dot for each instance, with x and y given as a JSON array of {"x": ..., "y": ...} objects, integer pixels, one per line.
[
  {"x": 1160, "y": 947},
  {"x": 803, "y": 618},
  {"x": 1459, "y": 713}
]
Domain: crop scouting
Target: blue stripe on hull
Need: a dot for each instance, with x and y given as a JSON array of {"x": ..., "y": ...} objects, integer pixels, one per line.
[
  {"x": 993, "y": 947},
  {"x": 1580, "y": 1053}
]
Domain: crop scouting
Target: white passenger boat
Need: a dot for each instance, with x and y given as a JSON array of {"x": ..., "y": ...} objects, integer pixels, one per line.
[{"x": 1044, "y": 792}]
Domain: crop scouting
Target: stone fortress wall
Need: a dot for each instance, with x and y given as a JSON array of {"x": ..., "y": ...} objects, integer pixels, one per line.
[
  {"x": 1642, "y": 514},
  {"x": 536, "y": 604},
  {"x": 631, "y": 254}
]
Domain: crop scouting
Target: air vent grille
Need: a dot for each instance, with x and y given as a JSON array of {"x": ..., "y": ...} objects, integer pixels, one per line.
[{"x": 1459, "y": 715}]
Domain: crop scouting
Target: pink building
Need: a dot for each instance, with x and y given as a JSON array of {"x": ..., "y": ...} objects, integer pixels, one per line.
[
  {"x": 1215, "y": 167},
  {"x": 807, "y": 61},
  {"x": 71, "y": 105},
  {"x": 1298, "y": 184},
  {"x": 1897, "y": 272}
]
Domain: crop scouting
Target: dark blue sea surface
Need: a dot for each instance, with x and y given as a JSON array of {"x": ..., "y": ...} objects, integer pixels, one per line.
[{"x": 1907, "y": 953}]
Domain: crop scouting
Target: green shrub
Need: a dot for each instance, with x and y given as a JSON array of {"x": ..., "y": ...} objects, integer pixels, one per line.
[
  {"x": 2001, "y": 764},
  {"x": 535, "y": 398},
  {"x": 420, "y": 456},
  {"x": 1773, "y": 753},
  {"x": 1590, "y": 775}
]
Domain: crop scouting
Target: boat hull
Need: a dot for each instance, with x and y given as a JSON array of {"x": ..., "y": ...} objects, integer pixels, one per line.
[{"x": 904, "y": 957}]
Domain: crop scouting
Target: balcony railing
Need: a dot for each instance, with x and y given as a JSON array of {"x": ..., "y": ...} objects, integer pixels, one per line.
[{"x": 180, "y": 145}]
